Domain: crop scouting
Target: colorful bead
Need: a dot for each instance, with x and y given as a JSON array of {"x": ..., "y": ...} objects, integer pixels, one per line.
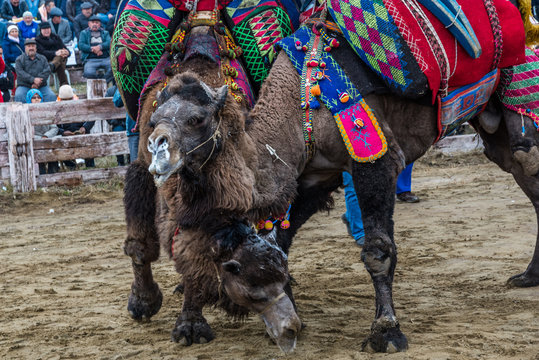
[
  {"x": 260, "y": 225},
  {"x": 285, "y": 224},
  {"x": 304, "y": 105},
  {"x": 359, "y": 123},
  {"x": 315, "y": 90},
  {"x": 344, "y": 97},
  {"x": 268, "y": 225}
]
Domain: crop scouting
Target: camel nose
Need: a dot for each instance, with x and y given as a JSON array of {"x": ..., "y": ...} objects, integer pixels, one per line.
[{"x": 158, "y": 147}]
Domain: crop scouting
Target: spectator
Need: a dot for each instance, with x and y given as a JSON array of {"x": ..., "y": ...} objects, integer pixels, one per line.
[
  {"x": 60, "y": 26},
  {"x": 7, "y": 79},
  {"x": 102, "y": 11},
  {"x": 65, "y": 93},
  {"x": 43, "y": 132},
  {"x": 52, "y": 47},
  {"x": 116, "y": 124},
  {"x": 12, "y": 10},
  {"x": 28, "y": 27},
  {"x": 94, "y": 44},
  {"x": 132, "y": 135},
  {"x": 12, "y": 45},
  {"x": 81, "y": 20},
  {"x": 33, "y": 5},
  {"x": 2, "y": 68},
  {"x": 74, "y": 8},
  {"x": 44, "y": 10},
  {"x": 33, "y": 72}
]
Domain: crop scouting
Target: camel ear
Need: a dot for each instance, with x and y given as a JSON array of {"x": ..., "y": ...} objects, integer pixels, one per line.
[
  {"x": 231, "y": 266},
  {"x": 222, "y": 93},
  {"x": 162, "y": 96}
]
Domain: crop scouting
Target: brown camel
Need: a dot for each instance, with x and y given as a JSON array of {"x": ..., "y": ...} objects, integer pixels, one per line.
[
  {"x": 227, "y": 264},
  {"x": 273, "y": 178},
  {"x": 221, "y": 168}
]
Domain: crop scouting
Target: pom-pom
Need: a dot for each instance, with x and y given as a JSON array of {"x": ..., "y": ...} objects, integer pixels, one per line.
[
  {"x": 319, "y": 75},
  {"x": 315, "y": 90},
  {"x": 327, "y": 48},
  {"x": 299, "y": 45},
  {"x": 344, "y": 97},
  {"x": 334, "y": 43},
  {"x": 312, "y": 63},
  {"x": 260, "y": 225},
  {"x": 322, "y": 65},
  {"x": 285, "y": 224},
  {"x": 314, "y": 104},
  {"x": 268, "y": 225},
  {"x": 234, "y": 86}
]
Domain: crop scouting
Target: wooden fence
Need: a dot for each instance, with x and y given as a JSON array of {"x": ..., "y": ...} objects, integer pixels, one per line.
[{"x": 20, "y": 153}]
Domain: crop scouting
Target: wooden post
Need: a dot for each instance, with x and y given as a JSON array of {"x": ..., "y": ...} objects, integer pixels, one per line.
[
  {"x": 20, "y": 148},
  {"x": 97, "y": 88}
]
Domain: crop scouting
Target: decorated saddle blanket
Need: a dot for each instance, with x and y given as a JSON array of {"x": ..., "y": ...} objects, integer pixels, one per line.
[
  {"x": 323, "y": 80},
  {"x": 386, "y": 34},
  {"x": 518, "y": 88}
]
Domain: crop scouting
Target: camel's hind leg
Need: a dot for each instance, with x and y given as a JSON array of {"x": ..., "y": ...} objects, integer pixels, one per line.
[
  {"x": 142, "y": 243},
  {"x": 375, "y": 187},
  {"x": 505, "y": 148}
]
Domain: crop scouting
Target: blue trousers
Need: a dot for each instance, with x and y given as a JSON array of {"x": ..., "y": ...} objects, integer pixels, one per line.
[
  {"x": 48, "y": 94},
  {"x": 353, "y": 212}
]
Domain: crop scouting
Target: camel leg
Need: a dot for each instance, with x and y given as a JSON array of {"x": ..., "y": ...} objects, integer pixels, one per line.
[
  {"x": 375, "y": 187},
  {"x": 500, "y": 148},
  {"x": 191, "y": 326},
  {"x": 142, "y": 243}
]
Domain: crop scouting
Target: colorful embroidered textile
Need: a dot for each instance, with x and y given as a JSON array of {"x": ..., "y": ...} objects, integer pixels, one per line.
[
  {"x": 519, "y": 89},
  {"x": 138, "y": 41},
  {"x": 448, "y": 63},
  {"x": 369, "y": 28},
  {"x": 359, "y": 128},
  {"x": 256, "y": 29},
  {"x": 202, "y": 5},
  {"x": 466, "y": 102}
]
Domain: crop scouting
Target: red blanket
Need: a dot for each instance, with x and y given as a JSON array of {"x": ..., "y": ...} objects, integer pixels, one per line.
[{"x": 467, "y": 70}]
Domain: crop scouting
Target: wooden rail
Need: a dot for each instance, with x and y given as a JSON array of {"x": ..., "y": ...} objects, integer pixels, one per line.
[{"x": 20, "y": 153}]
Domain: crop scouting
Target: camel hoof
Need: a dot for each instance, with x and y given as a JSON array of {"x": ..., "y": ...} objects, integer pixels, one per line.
[
  {"x": 142, "y": 305},
  {"x": 385, "y": 337},
  {"x": 523, "y": 280},
  {"x": 187, "y": 332}
]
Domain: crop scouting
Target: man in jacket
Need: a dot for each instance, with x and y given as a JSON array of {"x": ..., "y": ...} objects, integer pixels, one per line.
[
  {"x": 94, "y": 44},
  {"x": 12, "y": 10},
  {"x": 51, "y": 46},
  {"x": 28, "y": 27},
  {"x": 74, "y": 8},
  {"x": 33, "y": 72},
  {"x": 80, "y": 21},
  {"x": 60, "y": 26}
]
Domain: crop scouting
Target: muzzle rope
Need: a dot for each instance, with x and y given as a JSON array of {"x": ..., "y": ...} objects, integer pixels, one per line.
[
  {"x": 274, "y": 301},
  {"x": 214, "y": 137}
]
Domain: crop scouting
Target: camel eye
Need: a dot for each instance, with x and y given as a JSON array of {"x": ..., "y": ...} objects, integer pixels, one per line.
[{"x": 195, "y": 120}]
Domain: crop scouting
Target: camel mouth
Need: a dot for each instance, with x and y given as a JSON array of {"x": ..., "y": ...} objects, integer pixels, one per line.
[
  {"x": 286, "y": 345},
  {"x": 162, "y": 171}
]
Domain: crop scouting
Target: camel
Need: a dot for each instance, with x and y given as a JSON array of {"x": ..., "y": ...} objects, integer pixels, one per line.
[
  {"x": 227, "y": 264},
  {"x": 212, "y": 167}
]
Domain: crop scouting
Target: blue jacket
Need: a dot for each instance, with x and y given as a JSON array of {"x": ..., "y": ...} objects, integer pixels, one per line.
[
  {"x": 12, "y": 50},
  {"x": 85, "y": 47},
  {"x": 30, "y": 31}
]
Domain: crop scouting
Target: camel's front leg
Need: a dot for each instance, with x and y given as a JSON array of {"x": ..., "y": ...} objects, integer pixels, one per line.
[
  {"x": 375, "y": 187},
  {"x": 142, "y": 243},
  {"x": 191, "y": 326}
]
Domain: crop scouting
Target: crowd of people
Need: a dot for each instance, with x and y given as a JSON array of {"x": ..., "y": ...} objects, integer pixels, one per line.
[{"x": 37, "y": 38}]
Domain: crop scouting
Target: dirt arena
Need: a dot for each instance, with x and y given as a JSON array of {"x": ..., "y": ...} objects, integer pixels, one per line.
[{"x": 65, "y": 280}]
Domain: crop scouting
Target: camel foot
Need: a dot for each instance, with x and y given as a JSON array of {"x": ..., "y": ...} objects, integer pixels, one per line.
[
  {"x": 192, "y": 329},
  {"x": 144, "y": 304},
  {"x": 385, "y": 337},
  {"x": 523, "y": 280}
]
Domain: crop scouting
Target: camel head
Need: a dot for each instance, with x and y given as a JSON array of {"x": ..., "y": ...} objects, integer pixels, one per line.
[
  {"x": 185, "y": 126},
  {"x": 255, "y": 276}
]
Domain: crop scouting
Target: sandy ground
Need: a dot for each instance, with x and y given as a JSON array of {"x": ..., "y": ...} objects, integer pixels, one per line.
[{"x": 65, "y": 280}]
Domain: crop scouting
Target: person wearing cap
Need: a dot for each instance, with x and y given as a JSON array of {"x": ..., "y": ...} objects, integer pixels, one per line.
[
  {"x": 12, "y": 44},
  {"x": 33, "y": 72},
  {"x": 60, "y": 26},
  {"x": 81, "y": 20},
  {"x": 65, "y": 93},
  {"x": 75, "y": 7},
  {"x": 44, "y": 10},
  {"x": 53, "y": 48},
  {"x": 94, "y": 44},
  {"x": 28, "y": 27},
  {"x": 12, "y": 10}
]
